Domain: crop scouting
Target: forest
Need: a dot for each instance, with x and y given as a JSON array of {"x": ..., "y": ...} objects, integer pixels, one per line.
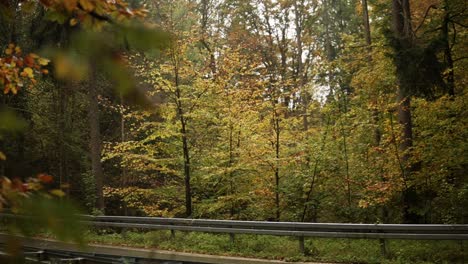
[{"x": 347, "y": 111}]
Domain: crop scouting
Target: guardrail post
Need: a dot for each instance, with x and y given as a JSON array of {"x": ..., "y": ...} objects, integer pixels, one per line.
[
  {"x": 383, "y": 247},
  {"x": 462, "y": 252},
  {"x": 231, "y": 237},
  {"x": 301, "y": 245},
  {"x": 172, "y": 233}
]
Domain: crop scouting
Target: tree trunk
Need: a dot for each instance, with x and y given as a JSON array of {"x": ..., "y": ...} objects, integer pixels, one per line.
[
  {"x": 185, "y": 147},
  {"x": 124, "y": 174},
  {"x": 188, "y": 189},
  {"x": 365, "y": 16},
  {"x": 404, "y": 36},
  {"x": 448, "y": 52},
  {"x": 95, "y": 140},
  {"x": 277, "y": 174}
]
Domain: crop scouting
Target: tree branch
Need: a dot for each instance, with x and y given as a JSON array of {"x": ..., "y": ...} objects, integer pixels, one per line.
[
  {"x": 461, "y": 58},
  {"x": 96, "y": 15},
  {"x": 424, "y": 18}
]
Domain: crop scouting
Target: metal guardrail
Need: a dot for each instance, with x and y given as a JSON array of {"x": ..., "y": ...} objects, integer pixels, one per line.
[
  {"x": 294, "y": 229},
  {"x": 298, "y": 229}
]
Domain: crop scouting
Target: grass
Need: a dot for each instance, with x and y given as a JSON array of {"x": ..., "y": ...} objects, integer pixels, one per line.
[{"x": 287, "y": 248}]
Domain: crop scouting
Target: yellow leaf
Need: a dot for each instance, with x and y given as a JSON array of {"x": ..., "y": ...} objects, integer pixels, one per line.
[
  {"x": 43, "y": 61},
  {"x": 57, "y": 192},
  {"x": 8, "y": 51},
  {"x": 6, "y": 183},
  {"x": 6, "y": 90},
  {"x": 73, "y": 22},
  {"x": 70, "y": 5},
  {"x": 87, "y": 5},
  {"x": 2, "y": 156},
  {"x": 29, "y": 72}
]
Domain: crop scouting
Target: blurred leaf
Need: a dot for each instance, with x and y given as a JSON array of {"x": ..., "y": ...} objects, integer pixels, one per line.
[
  {"x": 87, "y": 5},
  {"x": 28, "y": 6},
  {"x": 28, "y": 72},
  {"x": 56, "y": 17},
  {"x": 10, "y": 122},
  {"x": 119, "y": 74},
  {"x": 58, "y": 193},
  {"x": 47, "y": 214},
  {"x": 70, "y": 5},
  {"x": 73, "y": 22},
  {"x": 144, "y": 38},
  {"x": 45, "y": 178},
  {"x": 43, "y": 61},
  {"x": 6, "y": 12},
  {"x": 69, "y": 65}
]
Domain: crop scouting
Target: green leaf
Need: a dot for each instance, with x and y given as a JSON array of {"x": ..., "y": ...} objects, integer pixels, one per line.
[
  {"x": 143, "y": 38},
  {"x": 10, "y": 122},
  {"x": 48, "y": 214},
  {"x": 54, "y": 16}
]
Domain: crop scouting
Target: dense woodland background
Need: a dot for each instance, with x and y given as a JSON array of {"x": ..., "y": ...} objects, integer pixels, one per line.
[{"x": 289, "y": 110}]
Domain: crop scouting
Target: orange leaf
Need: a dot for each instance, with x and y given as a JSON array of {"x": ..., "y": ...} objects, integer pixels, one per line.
[
  {"x": 46, "y": 2},
  {"x": 45, "y": 178},
  {"x": 70, "y": 5},
  {"x": 29, "y": 60}
]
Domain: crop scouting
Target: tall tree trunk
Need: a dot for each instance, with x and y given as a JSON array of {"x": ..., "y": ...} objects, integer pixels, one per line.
[
  {"x": 230, "y": 164},
  {"x": 185, "y": 146},
  {"x": 448, "y": 51},
  {"x": 188, "y": 189},
  {"x": 365, "y": 17},
  {"x": 403, "y": 35},
  {"x": 123, "y": 170},
  {"x": 314, "y": 174},
  {"x": 375, "y": 111},
  {"x": 204, "y": 7},
  {"x": 277, "y": 174},
  {"x": 299, "y": 76},
  {"x": 95, "y": 139}
]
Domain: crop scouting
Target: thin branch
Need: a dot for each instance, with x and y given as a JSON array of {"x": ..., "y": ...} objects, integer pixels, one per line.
[
  {"x": 461, "y": 58},
  {"x": 460, "y": 24},
  {"x": 96, "y": 15},
  {"x": 454, "y": 38},
  {"x": 424, "y": 18}
]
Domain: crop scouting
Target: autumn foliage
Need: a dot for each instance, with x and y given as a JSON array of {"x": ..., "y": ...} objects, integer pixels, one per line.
[{"x": 18, "y": 70}]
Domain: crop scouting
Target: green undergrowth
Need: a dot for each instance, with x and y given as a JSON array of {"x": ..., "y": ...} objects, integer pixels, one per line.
[{"x": 287, "y": 248}]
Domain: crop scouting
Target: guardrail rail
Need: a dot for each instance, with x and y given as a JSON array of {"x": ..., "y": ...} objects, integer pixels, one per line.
[{"x": 294, "y": 229}]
